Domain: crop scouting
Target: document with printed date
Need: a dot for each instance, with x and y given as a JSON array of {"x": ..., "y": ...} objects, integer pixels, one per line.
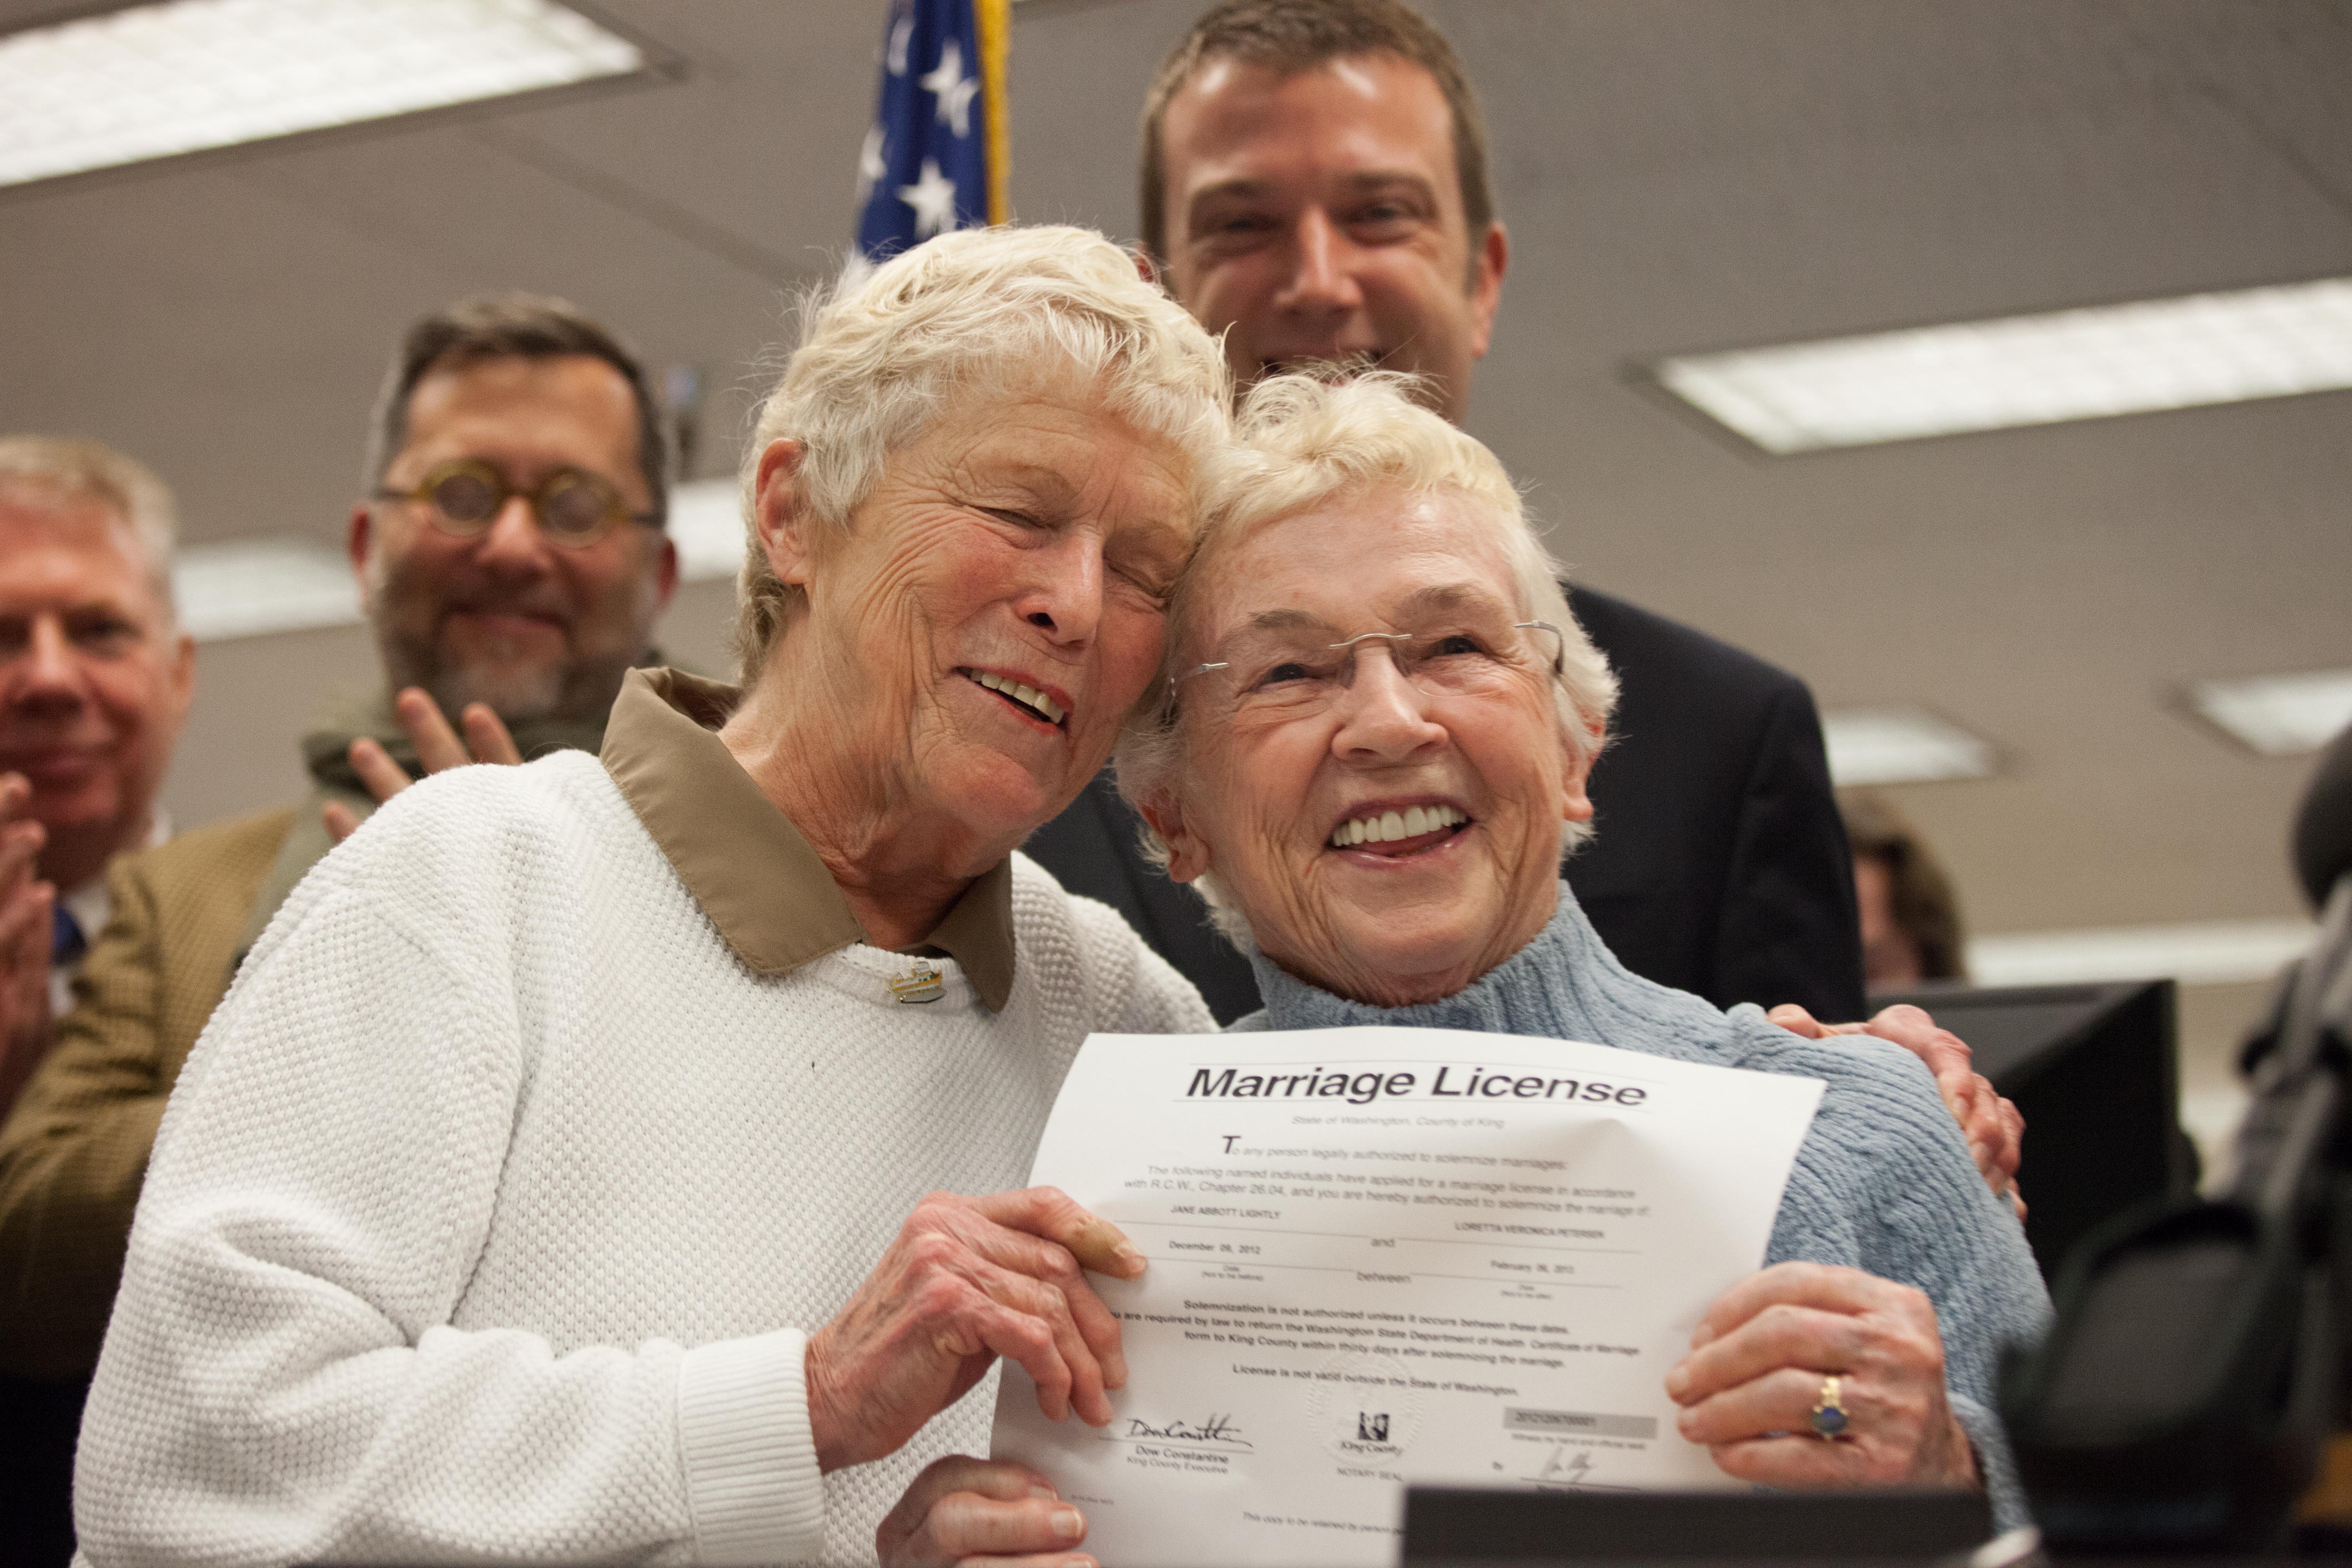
[{"x": 1383, "y": 1256}]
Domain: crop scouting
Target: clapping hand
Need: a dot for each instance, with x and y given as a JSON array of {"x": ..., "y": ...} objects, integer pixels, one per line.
[
  {"x": 26, "y": 905},
  {"x": 438, "y": 747}
]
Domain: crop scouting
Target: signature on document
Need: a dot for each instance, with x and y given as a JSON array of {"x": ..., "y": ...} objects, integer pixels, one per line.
[
  {"x": 1567, "y": 1467},
  {"x": 1219, "y": 1429}
]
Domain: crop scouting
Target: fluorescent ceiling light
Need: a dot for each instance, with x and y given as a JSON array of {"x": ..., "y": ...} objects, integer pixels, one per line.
[
  {"x": 189, "y": 75},
  {"x": 247, "y": 587},
  {"x": 2028, "y": 370},
  {"x": 2278, "y": 715},
  {"x": 706, "y": 521},
  {"x": 2215, "y": 953},
  {"x": 1900, "y": 745}
]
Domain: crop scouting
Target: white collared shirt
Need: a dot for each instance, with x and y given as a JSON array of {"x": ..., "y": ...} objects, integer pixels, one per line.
[{"x": 90, "y": 906}]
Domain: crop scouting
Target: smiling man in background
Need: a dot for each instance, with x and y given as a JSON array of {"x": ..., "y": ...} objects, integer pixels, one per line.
[
  {"x": 512, "y": 558},
  {"x": 1314, "y": 181},
  {"x": 95, "y": 678}
]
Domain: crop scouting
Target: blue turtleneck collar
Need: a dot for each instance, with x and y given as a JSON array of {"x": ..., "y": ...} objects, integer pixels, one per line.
[{"x": 1564, "y": 984}]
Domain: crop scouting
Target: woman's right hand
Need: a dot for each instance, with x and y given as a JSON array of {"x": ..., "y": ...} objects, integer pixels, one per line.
[
  {"x": 973, "y": 1512},
  {"x": 967, "y": 1280},
  {"x": 1761, "y": 1365}
]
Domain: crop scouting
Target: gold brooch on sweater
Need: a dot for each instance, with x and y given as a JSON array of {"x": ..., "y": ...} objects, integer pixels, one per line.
[{"x": 921, "y": 983}]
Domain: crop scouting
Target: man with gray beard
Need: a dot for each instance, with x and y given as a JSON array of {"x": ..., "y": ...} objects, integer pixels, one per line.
[{"x": 511, "y": 551}]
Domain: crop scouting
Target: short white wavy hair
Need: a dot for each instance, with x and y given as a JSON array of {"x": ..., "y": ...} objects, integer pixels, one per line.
[
  {"x": 1304, "y": 441},
  {"x": 70, "y": 467},
  {"x": 884, "y": 354}
]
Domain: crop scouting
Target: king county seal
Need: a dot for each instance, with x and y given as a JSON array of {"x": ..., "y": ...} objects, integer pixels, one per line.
[{"x": 1363, "y": 1408}]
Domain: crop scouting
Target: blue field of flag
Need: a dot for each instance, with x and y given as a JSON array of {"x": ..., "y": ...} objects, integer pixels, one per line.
[{"x": 925, "y": 167}]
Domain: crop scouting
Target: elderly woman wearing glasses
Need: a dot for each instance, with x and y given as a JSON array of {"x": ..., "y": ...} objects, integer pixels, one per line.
[
  {"x": 1373, "y": 752},
  {"x": 551, "y": 1186}
]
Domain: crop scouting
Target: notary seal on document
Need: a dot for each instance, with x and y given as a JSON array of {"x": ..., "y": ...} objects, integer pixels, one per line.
[{"x": 1363, "y": 1408}]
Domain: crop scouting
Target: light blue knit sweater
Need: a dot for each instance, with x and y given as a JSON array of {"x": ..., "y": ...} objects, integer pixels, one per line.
[{"x": 1883, "y": 1180}]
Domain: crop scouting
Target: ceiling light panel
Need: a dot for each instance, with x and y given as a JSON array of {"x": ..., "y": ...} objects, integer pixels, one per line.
[
  {"x": 191, "y": 74},
  {"x": 2027, "y": 370},
  {"x": 2278, "y": 715},
  {"x": 1900, "y": 745}
]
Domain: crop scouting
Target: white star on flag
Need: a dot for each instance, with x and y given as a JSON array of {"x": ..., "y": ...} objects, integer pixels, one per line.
[
  {"x": 933, "y": 199},
  {"x": 901, "y": 31},
  {"x": 870, "y": 163},
  {"x": 954, "y": 90}
]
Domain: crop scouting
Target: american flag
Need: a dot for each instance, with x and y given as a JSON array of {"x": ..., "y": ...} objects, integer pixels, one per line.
[{"x": 938, "y": 154}]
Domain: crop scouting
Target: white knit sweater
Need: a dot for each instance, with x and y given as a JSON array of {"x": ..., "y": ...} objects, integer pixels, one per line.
[{"x": 489, "y": 1215}]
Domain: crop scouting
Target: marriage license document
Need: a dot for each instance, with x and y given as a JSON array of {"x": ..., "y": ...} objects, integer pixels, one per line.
[{"x": 1383, "y": 1256}]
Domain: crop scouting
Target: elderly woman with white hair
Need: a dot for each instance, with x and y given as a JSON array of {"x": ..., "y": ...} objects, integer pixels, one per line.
[
  {"x": 552, "y": 1184},
  {"x": 1378, "y": 719},
  {"x": 1372, "y": 753}
]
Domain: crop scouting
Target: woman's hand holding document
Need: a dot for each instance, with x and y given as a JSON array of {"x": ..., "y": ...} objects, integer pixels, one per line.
[{"x": 1389, "y": 1255}]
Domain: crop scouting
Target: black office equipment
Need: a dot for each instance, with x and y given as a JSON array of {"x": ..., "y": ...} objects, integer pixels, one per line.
[
  {"x": 2196, "y": 1359},
  {"x": 1445, "y": 1525},
  {"x": 2094, "y": 1070}
]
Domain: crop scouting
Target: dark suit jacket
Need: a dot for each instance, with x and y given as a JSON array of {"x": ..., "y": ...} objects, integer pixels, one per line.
[{"x": 1718, "y": 864}]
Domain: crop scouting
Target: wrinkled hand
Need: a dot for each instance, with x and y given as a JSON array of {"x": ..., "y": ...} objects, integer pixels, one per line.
[
  {"x": 1754, "y": 1373},
  {"x": 1994, "y": 1130},
  {"x": 26, "y": 903},
  {"x": 975, "y": 1511},
  {"x": 967, "y": 1280},
  {"x": 438, "y": 747}
]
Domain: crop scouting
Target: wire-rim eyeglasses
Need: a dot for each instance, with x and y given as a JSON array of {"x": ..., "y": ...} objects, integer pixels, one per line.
[{"x": 1558, "y": 656}]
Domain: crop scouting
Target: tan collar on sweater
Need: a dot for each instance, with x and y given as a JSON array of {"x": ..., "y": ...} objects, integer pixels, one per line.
[{"x": 744, "y": 861}]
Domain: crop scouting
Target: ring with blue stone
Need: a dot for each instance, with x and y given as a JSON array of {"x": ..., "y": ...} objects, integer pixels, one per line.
[{"x": 1829, "y": 1415}]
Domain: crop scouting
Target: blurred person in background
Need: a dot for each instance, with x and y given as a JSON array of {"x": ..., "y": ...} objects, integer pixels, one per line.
[
  {"x": 1314, "y": 182},
  {"x": 1910, "y": 916},
  {"x": 512, "y": 558},
  {"x": 95, "y": 678}
]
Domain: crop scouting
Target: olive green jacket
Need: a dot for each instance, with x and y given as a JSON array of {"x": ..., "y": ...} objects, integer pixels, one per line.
[{"x": 73, "y": 1150}]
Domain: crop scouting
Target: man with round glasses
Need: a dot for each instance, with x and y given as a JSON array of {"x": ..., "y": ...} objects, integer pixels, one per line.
[
  {"x": 513, "y": 559},
  {"x": 512, "y": 552},
  {"x": 572, "y": 506}
]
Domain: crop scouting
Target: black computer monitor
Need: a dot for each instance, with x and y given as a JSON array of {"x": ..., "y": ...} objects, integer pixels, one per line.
[
  {"x": 2094, "y": 1069},
  {"x": 1449, "y": 1525}
]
